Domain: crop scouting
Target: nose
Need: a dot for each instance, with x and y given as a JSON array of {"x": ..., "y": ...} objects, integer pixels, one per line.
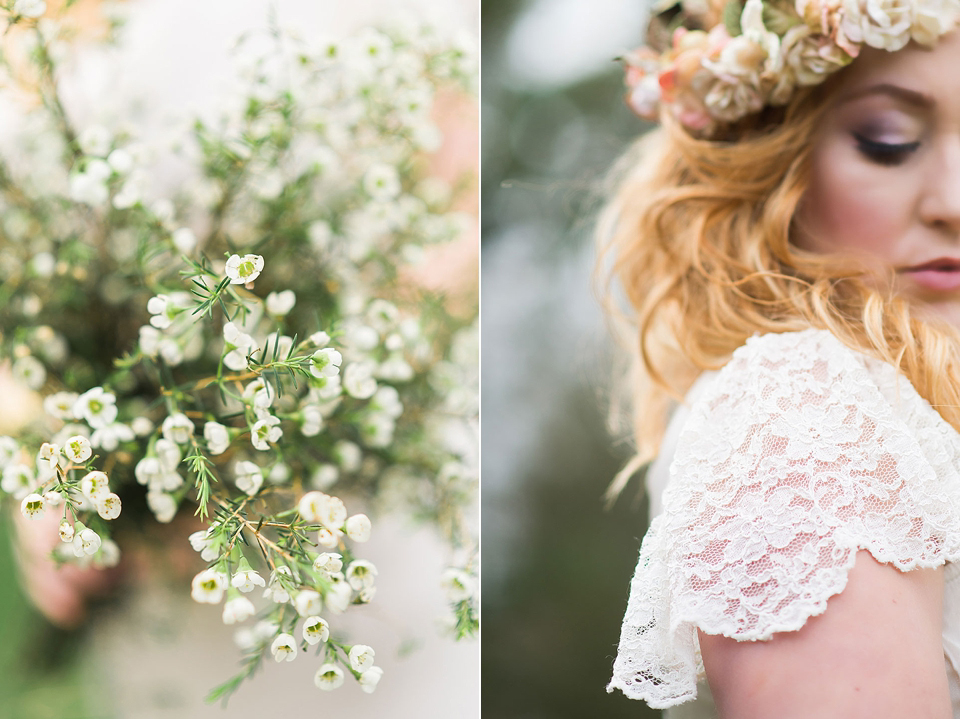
[{"x": 940, "y": 204}]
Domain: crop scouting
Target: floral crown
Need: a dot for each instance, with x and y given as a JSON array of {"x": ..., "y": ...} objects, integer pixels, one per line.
[{"x": 726, "y": 61}]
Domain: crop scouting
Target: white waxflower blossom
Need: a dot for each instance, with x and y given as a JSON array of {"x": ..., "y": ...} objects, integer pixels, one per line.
[
  {"x": 171, "y": 351},
  {"x": 95, "y": 140},
  {"x": 148, "y": 471},
  {"x": 50, "y": 456},
  {"x": 387, "y": 400},
  {"x": 108, "y": 555},
  {"x": 370, "y": 678},
  {"x": 362, "y": 337},
  {"x": 332, "y": 512},
  {"x": 279, "y": 304},
  {"x": 238, "y": 345},
  {"x": 150, "y": 340},
  {"x": 163, "y": 506},
  {"x": 279, "y": 473},
  {"x": 95, "y": 485},
  {"x": 184, "y": 240},
  {"x": 312, "y": 421},
  {"x": 141, "y": 426},
  {"x": 130, "y": 194},
  {"x": 308, "y": 603},
  {"x": 60, "y": 405},
  {"x": 393, "y": 342},
  {"x": 328, "y": 562},
  {"x": 163, "y": 311},
  {"x": 202, "y": 541},
  {"x": 29, "y": 371},
  {"x": 275, "y": 590},
  {"x": 168, "y": 454},
  {"x": 382, "y": 315},
  {"x": 249, "y": 477},
  {"x": 358, "y": 380},
  {"x": 217, "y": 436},
  {"x": 259, "y": 393},
  {"x": 52, "y": 498},
  {"x": 326, "y": 362},
  {"x": 120, "y": 161},
  {"x": 327, "y": 389},
  {"x": 382, "y": 182},
  {"x": 242, "y": 270},
  {"x": 78, "y": 449},
  {"x": 246, "y": 579},
  {"x": 338, "y": 597},
  {"x": 315, "y": 630},
  {"x": 324, "y": 476},
  {"x": 376, "y": 429},
  {"x": 348, "y": 455},
  {"x": 110, "y": 436},
  {"x": 457, "y": 585},
  {"x": 96, "y": 407},
  {"x": 358, "y": 528},
  {"x": 86, "y": 542},
  {"x": 88, "y": 188},
  {"x": 66, "y": 530},
  {"x": 395, "y": 369},
  {"x": 29, "y": 8},
  {"x": 320, "y": 339},
  {"x": 361, "y": 657},
  {"x": 265, "y": 431},
  {"x": 9, "y": 451},
  {"x": 177, "y": 428},
  {"x": 361, "y": 574},
  {"x": 328, "y": 677},
  {"x": 43, "y": 264},
  {"x": 108, "y": 506},
  {"x": 320, "y": 235},
  {"x": 329, "y": 538},
  {"x": 17, "y": 480},
  {"x": 208, "y": 587},
  {"x": 238, "y": 609},
  {"x": 32, "y": 506},
  {"x": 309, "y": 506}
]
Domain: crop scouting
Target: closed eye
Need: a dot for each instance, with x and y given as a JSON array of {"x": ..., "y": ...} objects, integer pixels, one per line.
[{"x": 884, "y": 153}]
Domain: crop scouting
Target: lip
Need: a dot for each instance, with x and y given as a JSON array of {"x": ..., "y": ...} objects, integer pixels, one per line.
[{"x": 939, "y": 275}]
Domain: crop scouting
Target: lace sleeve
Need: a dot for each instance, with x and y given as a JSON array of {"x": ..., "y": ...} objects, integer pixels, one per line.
[{"x": 790, "y": 462}]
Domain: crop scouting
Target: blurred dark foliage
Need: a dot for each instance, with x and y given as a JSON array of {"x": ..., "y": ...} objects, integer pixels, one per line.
[{"x": 551, "y": 620}]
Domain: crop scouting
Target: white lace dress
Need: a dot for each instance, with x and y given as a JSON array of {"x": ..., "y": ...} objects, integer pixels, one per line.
[{"x": 785, "y": 463}]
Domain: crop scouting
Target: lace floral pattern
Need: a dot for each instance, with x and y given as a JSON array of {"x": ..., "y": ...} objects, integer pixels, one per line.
[{"x": 800, "y": 453}]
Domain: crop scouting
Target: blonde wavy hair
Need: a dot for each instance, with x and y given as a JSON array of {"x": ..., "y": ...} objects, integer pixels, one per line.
[{"x": 699, "y": 238}]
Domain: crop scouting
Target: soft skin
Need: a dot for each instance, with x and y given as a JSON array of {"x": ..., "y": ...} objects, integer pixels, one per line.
[
  {"x": 885, "y": 187},
  {"x": 893, "y": 209}
]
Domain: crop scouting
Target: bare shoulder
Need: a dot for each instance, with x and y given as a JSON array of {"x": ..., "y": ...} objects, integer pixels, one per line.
[{"x": 875, "y": 652}]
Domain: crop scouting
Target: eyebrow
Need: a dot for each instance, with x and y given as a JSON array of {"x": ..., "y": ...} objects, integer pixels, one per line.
[{"x": 910, "y": 97}]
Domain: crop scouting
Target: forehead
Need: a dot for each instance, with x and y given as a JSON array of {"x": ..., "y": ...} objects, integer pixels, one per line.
[{"x": 934, "y": 72}]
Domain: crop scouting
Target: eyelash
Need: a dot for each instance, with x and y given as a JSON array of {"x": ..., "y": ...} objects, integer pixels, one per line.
[{"x": 884, "y": 153}]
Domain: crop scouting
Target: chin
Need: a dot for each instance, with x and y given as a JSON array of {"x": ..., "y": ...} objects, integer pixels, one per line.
[{"x": 946, "y": 311}]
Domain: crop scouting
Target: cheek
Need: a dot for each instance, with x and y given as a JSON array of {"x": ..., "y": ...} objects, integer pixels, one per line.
[{"x": 852, "y": 205}]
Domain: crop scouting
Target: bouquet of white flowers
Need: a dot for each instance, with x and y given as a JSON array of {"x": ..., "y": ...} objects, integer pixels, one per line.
[{"x": 253, "y": 346}]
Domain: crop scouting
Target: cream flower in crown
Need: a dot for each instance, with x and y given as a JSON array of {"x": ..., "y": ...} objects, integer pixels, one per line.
[{"x": 739, "y": 60}]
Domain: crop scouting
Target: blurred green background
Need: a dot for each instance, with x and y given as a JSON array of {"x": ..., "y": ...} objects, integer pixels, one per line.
[
  {"x": 556, "y": 565},
  {"x": 41, "y": 676}
]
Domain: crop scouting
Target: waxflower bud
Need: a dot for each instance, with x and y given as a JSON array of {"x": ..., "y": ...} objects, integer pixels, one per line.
[{"x": 66, "y": 530}]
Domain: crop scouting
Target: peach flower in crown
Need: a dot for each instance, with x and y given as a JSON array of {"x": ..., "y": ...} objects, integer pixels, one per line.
[{"x": 716, "y": 73}]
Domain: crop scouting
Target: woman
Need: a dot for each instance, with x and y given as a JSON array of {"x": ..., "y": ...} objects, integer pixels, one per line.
[{"x": 798, "y": 226}]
